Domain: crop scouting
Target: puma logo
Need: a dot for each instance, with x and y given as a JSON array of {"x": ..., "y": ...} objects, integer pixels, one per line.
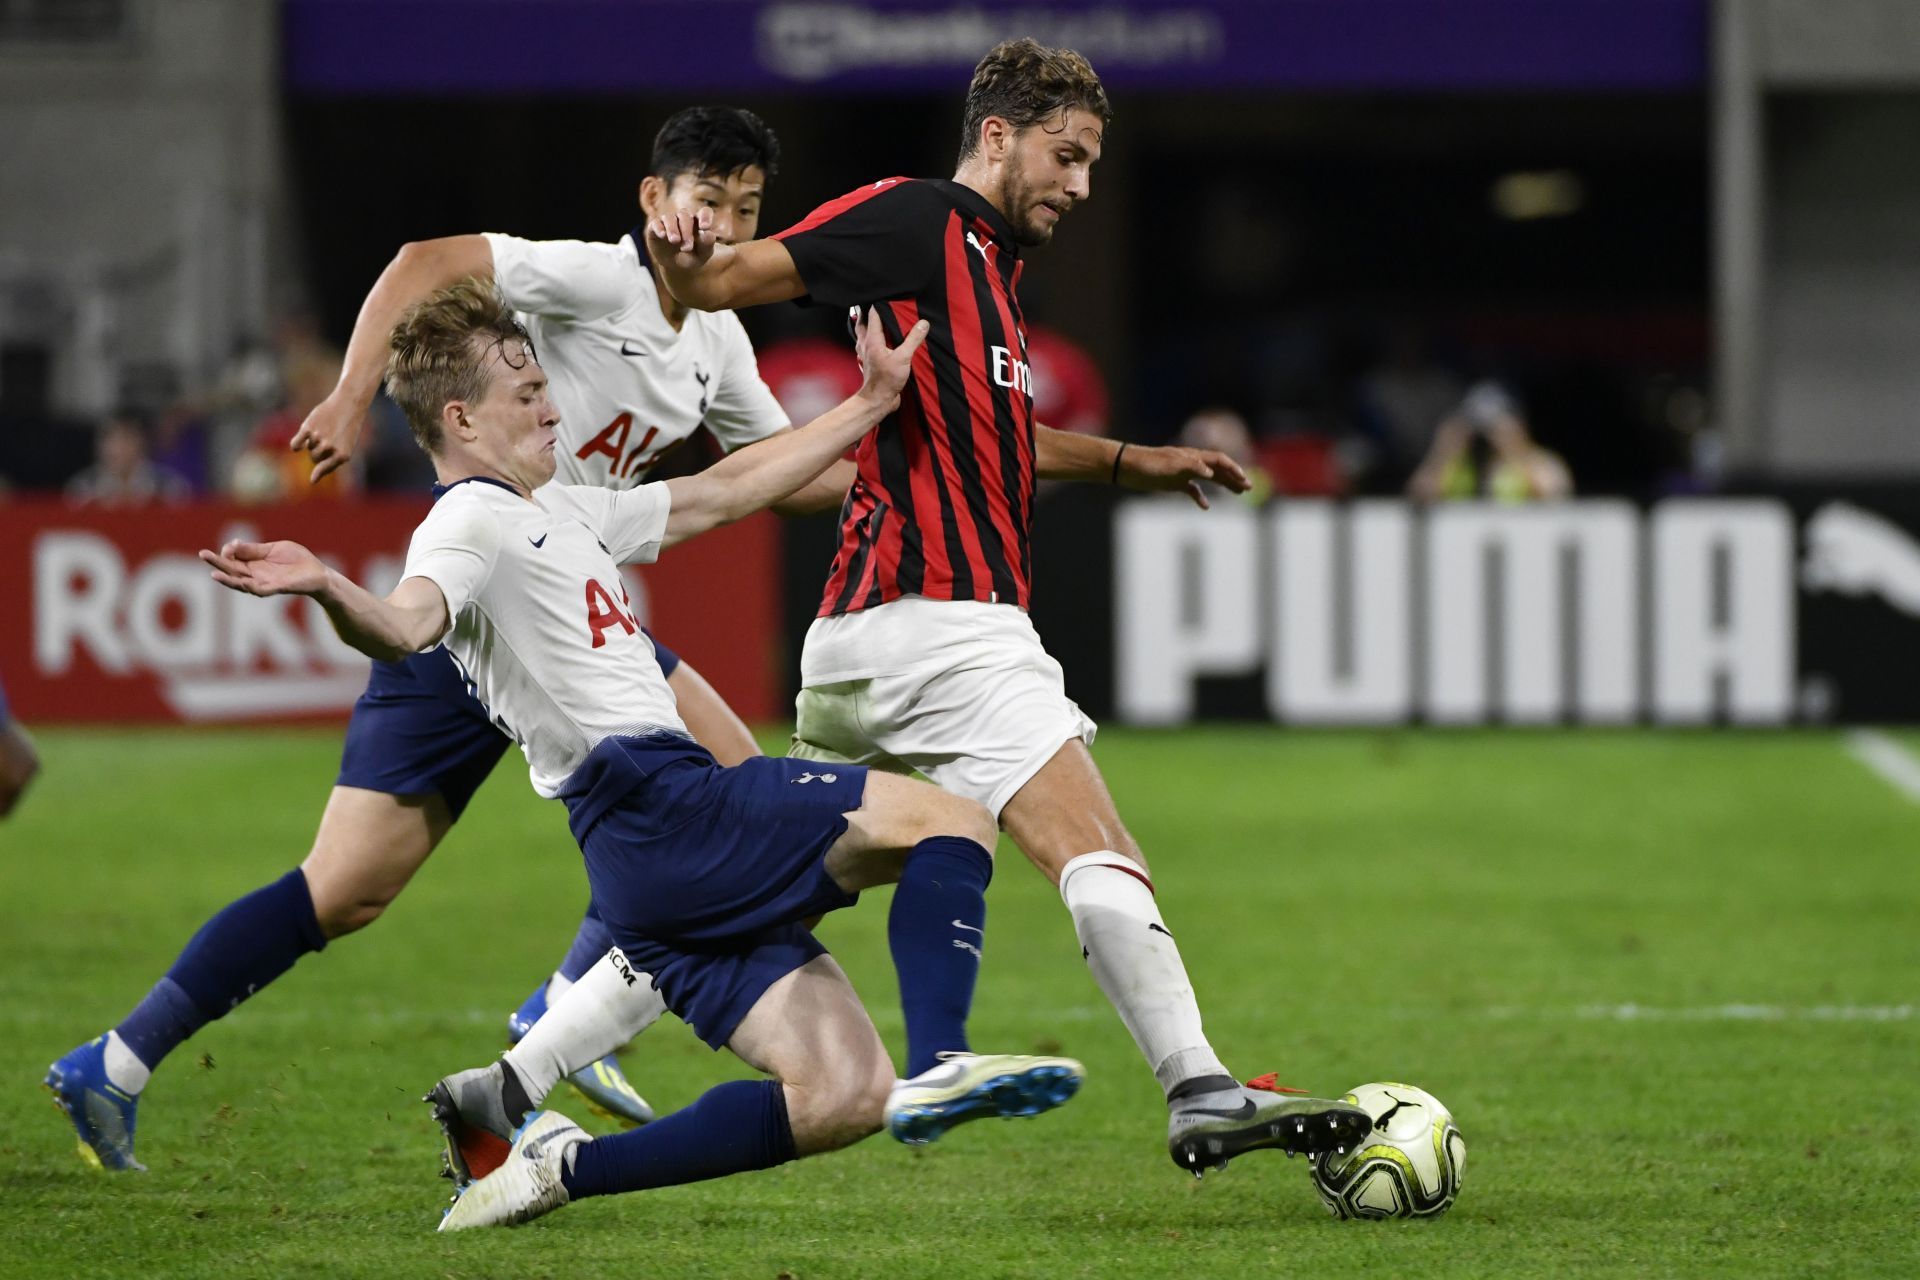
[{"x": 1856, "y": 552}]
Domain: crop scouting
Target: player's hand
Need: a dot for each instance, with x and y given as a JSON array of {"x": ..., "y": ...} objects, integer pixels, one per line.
[
  {"x": 886, "y": 368},
  {"x": 1172, "y": 467},
  {"x": 330, "y": 434},
  {"x": 681, "y": 240},
  {"x": 267, "y": 568}
]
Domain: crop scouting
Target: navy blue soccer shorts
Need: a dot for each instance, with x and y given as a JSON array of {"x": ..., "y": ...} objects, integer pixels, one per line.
[
  {"x": 418, "y": 730},
  {"x": 703, "y": 874}
]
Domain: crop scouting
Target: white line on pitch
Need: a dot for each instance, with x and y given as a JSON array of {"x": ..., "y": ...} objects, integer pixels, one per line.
[{"x": 1894, "y": 764}]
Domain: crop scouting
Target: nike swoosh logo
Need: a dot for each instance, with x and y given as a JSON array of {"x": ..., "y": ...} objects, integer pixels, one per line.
[
  {"x": 969, "y": 928},
  {"x": 540, "y": 541},
  {"x": 1243, "y": 1112},
  {"x": 625, "y": 352}
]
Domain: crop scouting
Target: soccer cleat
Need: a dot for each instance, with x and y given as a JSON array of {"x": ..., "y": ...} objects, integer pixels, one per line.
[
  {"x": 1209, "y": 1129},
  {"x": 470, "y": 1108},
  {"x": 528, "y": 1185},
  {"x": 968, "y": 1086},
  {"x": 102, "y": 1116},
  {"x": 603, "y": 1086}
]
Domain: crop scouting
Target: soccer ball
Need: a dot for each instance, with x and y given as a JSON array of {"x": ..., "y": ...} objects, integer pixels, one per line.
[{"x": 1410, "y": 1166}]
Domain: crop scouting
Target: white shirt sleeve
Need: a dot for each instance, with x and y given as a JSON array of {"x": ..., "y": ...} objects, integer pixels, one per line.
[
  {"x": 455, "y": 548},
  {"x": 571, "y": 279},
  {"x": 630, "y": 522},
  {"x": 742, "y": 408}
]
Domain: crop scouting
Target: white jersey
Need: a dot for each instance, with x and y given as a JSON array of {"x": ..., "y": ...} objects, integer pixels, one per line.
[
  {"x": 628, "y": 387},
  {"x": 540, "y": 622}
]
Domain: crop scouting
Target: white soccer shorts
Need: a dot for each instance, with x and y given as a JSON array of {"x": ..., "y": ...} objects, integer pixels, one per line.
[{"x": 980, "y": 707}]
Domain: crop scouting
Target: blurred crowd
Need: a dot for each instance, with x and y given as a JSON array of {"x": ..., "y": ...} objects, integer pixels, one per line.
[{"x": 1405, "y": 421}]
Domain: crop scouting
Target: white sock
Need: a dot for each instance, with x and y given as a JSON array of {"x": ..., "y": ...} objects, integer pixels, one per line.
[
  {"x": 125, "y": 1071},
  {"x": 610, "y": 1005},
  {"x": 1137, "y": 965},
  {"x": 557, "y": 986}
]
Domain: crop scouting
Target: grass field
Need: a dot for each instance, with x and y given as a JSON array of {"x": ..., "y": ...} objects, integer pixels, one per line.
[{"x": 1667, "y": 983}]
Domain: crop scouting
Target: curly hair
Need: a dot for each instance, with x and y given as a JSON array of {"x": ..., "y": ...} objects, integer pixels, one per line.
[
  {"x": 1024, "y": 82},
  {"x": 439, "y": 350}
]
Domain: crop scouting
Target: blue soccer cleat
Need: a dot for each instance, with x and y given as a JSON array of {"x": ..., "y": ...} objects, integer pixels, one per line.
[
  {"x": 604, "y": 1086},
  {"x": 970, "y": 1086},
  {"x": 102, "y": 1116}
]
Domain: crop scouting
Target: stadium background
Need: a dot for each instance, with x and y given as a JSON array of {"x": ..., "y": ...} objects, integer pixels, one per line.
[{"x": 1676, "y": 232}]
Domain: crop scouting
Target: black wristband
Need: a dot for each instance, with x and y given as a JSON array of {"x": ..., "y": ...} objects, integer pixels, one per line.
[{"x": 1115, "y": 478}]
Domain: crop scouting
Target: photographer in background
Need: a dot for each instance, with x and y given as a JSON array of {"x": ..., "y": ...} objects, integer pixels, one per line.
[{"x": 1484, "y": 450}]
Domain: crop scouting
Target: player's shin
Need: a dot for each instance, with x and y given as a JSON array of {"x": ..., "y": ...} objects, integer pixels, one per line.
[
  {"x": 731, "y": 1128},
  {"x": 1133, "y": 958},
  {"x": 935, "y": 929},
  {"x": 607, "y": 1007},
  {"x": 242, "y": 948}
]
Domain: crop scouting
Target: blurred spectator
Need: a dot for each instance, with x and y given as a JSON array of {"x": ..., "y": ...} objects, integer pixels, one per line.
[
  {"x": 1483, "y": 449},
  {"x": 267, "y": 468},
  {"x": 122, "y": 475},
  {"x": 1224, "y": 430},
  {"x": 1401, "y": 398},
  {"x": 1068, "y": 392},
  {"x": 808, "y": 376}
]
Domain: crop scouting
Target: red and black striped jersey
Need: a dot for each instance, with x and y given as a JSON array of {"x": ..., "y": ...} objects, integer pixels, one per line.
[{"x": 943, "y": 505}]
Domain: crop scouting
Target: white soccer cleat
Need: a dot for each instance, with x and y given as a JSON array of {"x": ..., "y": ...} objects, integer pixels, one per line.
[
  {"x": 968, "y": 1086},
  {"x": 528, "y": 1185}
]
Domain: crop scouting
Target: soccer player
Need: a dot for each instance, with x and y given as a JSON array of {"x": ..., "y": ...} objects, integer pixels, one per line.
[
  {"x": 634, "y": 374},
  {"x": 922, "y": 655},
  {"x": 703, "y": 872},
  {"x": 19, "y": 762}
]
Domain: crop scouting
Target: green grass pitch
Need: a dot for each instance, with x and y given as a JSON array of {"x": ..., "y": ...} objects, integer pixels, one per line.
[{"x": 1667, "y": 983}]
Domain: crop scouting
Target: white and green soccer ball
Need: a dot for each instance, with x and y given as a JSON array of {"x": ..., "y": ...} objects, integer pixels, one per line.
[{"x": 1409, "y": 1166}]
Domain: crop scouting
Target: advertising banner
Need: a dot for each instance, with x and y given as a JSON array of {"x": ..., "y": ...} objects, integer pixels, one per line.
[
  {"x": 414, "y": 47},
  {"x": 108, "y": 616},
  {"x": 1767, "y": 610}
]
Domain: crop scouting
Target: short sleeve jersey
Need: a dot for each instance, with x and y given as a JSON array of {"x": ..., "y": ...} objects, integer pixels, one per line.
[
  {"x": 541, "y": 624},
  {"x": 943, "y": 503},
  {"x": 629, "y": 388}
]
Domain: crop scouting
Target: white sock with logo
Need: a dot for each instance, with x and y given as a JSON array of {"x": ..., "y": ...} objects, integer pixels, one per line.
[
  {"x": 610, "y": 1005},
  {"x": 1135, "y": 961}
]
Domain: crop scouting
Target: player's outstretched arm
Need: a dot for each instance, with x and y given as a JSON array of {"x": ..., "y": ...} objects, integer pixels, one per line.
[
  {"x": 753, "y": 479},
  {"x": 409, "y": 620},
  {"x": 332, "y": 431},
  {"x": 708, "y": 276},
  {"x": 1068, "y": 455}
]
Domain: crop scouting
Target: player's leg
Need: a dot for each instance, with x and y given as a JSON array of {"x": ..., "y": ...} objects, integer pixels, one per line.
[
  {"x": 830, "y": 1077},
  {"x": 1064, "y": 820},
  {"x": 368, "y": 846},
  {"x": 548, "y": 1030}
]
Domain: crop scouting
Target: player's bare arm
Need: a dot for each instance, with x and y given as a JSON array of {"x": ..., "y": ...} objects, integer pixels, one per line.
[
  {"x": 332, "y": 431},
  {"x": 751, "y": 480},
  {"x": 1068, "y": 455},
  {"x": 706, "y": 275},
  {"x": 410, "y": 620}
]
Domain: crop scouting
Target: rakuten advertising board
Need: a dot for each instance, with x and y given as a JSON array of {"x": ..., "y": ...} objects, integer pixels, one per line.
[
  {"x": 1728, "y": 610},
  {"x": 108, "y": 616}
]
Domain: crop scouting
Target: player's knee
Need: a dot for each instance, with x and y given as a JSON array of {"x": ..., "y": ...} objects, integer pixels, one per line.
[
  {"x": 952, "y": 815},
  {"x": 343, "y": 908},
  {"x": 838, "y": 1108}
]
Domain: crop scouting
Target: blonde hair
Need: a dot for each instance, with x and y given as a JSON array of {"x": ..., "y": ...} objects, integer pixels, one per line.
[{"x": 438, "y": 352}]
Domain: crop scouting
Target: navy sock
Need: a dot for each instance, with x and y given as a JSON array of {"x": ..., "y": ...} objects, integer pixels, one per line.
[
  {"x": 246, "y": 945},
  {"x": 730, "y": 1128},
  {"x": 589, "y": 944},
  {"x": 935, "y": 930}
]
